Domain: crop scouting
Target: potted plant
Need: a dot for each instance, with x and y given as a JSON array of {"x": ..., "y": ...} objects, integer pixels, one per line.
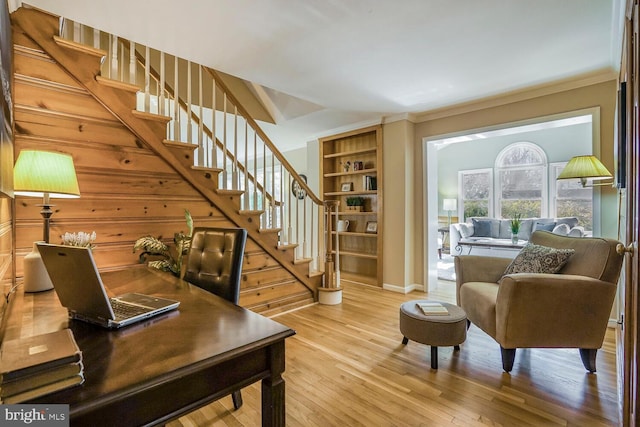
[
  {"x": 515, "y": 228},
  {"x": 355, "y": 203},
  {"x": 170, "y": 259}
]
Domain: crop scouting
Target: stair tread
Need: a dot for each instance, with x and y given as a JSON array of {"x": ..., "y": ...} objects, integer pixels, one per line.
[
  {"x": 151, "y": 116},
  {"x": 117, "y": 84},
  {"x": 269, "y": 230},
  {"x": 206, "y": 169},
  {"x": 288, "y": 246},
  {"x": 179, "y": 144},
  {"x": 80, "y": 47},
  {"x": 302, "y": 261},
  {"x": 250, "y": 212}
]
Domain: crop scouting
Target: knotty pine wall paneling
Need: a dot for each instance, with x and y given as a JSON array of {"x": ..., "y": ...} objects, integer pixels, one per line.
[{"x": 126, "y": 190}]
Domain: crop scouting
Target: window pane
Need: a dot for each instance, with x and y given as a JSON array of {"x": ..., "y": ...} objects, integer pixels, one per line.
[
  {"x": 521, "y": 155},
  {"x": 526, "y": 208},
  {"x": 521, "y": 183},
  {"x": 475, "y": 186},
  {"x": 578, "y": 208},
  {"x": 473, "y": 208}
]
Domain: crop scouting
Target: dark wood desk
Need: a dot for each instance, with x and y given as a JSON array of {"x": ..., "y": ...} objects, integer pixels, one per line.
[{"x": 155, "y": 371}]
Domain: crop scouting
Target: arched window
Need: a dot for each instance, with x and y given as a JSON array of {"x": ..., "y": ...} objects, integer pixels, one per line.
[{"x": 521, "y": 181}]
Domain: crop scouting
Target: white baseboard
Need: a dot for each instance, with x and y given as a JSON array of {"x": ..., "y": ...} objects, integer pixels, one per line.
[{"x": 402, "y": 289}]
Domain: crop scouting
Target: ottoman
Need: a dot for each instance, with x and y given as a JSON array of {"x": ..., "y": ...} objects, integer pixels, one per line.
[{"x": 434, "y": 330}]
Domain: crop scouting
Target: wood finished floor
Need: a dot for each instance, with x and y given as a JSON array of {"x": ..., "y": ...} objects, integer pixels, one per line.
[{"x": 346, "y": 367}]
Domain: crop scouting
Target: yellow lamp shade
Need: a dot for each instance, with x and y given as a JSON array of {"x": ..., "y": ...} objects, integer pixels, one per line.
[
  {"x": 38, "y": 172},
  {"x": 585, "y": 167}
]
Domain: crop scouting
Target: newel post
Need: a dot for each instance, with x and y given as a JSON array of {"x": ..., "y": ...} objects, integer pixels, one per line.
[{"x": 330, "y": 293}]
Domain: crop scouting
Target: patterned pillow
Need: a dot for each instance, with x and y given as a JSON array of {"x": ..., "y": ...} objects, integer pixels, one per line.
[{"x": 539, "y": 259}]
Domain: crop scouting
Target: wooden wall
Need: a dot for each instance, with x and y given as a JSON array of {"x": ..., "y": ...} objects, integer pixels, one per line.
[{"x": 127, "y": 191}]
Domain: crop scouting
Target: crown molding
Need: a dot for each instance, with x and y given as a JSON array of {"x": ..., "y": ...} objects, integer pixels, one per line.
[{"x": 517, "y": 96}]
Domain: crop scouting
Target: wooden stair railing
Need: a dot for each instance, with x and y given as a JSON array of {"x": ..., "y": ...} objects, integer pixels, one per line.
[
  {"x": 275, "y": 214},
  {"x": 83, "y": 64}
]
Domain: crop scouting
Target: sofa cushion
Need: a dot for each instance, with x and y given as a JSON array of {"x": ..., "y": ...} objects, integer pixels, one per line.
[
  {"x": 539, "y": 259},
  {"x": 545, "y": 226},
  {"x": 526, "y": 225},
  {"x": 482, "y": 227},
  {"x": 466, "y": 230},
  {"x": 561, "y": 229},
  {"x": 505, "y": 229},
  {"x": 571, "y": 221}
]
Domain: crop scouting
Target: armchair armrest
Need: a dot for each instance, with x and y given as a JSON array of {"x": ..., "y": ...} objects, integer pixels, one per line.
[
  {"x": 552, "y": 310},
  {"x": 471, "y": 268}
]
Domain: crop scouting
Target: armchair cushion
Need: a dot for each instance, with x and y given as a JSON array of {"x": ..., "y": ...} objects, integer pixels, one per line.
[{"x": 539, "y": 259}]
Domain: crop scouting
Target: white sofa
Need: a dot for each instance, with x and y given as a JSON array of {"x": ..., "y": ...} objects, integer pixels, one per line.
[{"x": 499, "y": 231}]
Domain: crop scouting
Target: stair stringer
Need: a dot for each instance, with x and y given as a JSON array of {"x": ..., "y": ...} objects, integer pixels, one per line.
[{"x": 84, "y": 67}]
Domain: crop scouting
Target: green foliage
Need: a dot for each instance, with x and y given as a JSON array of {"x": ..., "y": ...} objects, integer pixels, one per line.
[
  {"x": 171, "y": 260},
  {"x": 355, "y": 201},
  {"x": 525, "y": 208},
  {"x": 515, "y": 223},
  {"x": 475, "y": 208},
  {"x": 581, "y": 209}
]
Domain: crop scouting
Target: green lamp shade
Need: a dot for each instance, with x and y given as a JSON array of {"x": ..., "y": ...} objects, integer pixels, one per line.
[
  {"x": 38, "y": 172},
  {"x": 585, "y": 167}
]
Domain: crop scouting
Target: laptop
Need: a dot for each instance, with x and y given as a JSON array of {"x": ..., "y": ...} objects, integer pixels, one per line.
[{"x": 79, "y": 286}]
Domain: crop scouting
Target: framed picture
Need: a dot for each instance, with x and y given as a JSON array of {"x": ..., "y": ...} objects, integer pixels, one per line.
[
  {"x": 372, "y": 227},
  {"x": 346, "y": 186},
  {"x": 297, "y": 190}
]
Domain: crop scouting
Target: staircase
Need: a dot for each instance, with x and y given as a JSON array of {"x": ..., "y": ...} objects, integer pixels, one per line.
[{"x": 131, "y": 159}]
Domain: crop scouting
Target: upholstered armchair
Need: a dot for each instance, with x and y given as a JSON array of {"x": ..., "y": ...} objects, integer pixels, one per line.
[{"x": 566, "y": 309}]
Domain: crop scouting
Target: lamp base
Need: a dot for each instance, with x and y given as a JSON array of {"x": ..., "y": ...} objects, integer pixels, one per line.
[{"x": 36, "y": 277}]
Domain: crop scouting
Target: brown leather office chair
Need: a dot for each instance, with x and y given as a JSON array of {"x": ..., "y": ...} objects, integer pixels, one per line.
[{"x": 214, "y": 263}]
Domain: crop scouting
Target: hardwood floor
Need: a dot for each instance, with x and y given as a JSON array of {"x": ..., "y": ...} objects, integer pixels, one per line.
[{"x": 346, "y": 367}]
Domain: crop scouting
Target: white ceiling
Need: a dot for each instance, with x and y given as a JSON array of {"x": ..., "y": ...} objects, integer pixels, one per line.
[{"x": 329, "y": 64}]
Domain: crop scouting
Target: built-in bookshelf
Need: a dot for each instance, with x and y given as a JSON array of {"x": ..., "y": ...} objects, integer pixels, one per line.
[{"x": 352, "y": 173}]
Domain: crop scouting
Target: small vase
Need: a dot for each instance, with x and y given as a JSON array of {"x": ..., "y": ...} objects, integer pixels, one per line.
[
  {"x": 514, "y": 238},
  {"x": 36, "y": 277}
]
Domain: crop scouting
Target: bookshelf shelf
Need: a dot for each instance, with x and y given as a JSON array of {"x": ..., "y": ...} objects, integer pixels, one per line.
[{"x": 355, "y": 159}]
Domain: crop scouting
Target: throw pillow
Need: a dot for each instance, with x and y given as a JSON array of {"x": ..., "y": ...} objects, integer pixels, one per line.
[
  {"x": 481, "y": 228},
  {"x": 561, "y": 229},
  {"x": 546, "y": 226},
  {"x": 466, "y": 230},
  {"x": 539, "y": 259}
]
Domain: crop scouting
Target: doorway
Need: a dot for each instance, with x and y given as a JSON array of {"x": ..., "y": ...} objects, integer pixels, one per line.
[{"x": 445, "y": 155}]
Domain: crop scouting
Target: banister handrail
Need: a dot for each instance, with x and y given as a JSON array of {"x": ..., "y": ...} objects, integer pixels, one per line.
[
  {"x": 264, "y": 137},
  {"x": 233, "y": 143}
]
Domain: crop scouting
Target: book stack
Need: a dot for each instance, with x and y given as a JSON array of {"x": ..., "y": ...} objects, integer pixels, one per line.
[
  {"x": 432, "y": 308},
  {"x": 38, "y": 365},
  {"x": 369, "y": 182}
]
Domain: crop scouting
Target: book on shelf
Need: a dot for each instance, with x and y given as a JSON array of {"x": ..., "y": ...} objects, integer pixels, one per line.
[
  {"x": 58, "y": 373},
  {"x": 432, "y": 308},
  {"x": 43, "y": 390},
  {"x": 369, "y": 183},
  {"x": 23, "y": 357}
]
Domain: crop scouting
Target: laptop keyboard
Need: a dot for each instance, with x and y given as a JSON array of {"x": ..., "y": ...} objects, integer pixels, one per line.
[{"x": 125, "y": 311}]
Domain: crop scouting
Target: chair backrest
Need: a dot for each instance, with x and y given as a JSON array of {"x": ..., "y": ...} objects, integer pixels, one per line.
[
  {"x": 214, "y": 261},
  {"x": 594, "y": 257}
]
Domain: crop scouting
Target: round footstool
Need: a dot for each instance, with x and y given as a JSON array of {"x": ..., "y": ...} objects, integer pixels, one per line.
[{"x": 434, "y": 330}]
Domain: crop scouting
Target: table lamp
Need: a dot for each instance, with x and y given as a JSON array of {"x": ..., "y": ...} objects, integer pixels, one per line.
[
  {"x": 47, "y": 175},
  {"x": 449, "y": 205},
  {"x": 583, "y": 168}
]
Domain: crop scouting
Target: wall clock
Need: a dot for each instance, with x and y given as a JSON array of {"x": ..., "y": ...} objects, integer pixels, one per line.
[{"x": 297, "y": 190}]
